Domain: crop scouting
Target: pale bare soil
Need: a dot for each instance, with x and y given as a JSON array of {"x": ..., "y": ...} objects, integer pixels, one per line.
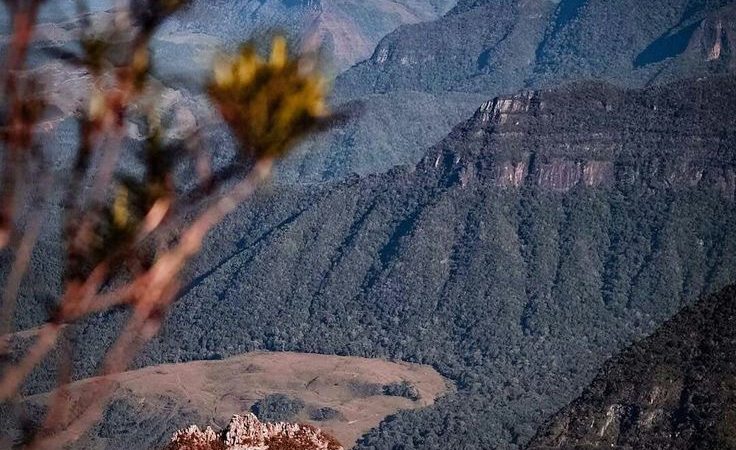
[{"x": 219, "y": 389}]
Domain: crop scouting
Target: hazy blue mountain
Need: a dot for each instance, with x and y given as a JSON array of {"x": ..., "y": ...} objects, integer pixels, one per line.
[
  {"x": 494, "y": 47},
  {"x": 349, "y": 29}
]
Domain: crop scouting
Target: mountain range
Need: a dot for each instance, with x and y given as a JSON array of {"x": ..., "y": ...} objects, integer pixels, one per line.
[
  {"x": 431, "y": 72},
  {"x": 348, "y": 29},
  {"x": 485, "y": 48},
  {"x": 541, "y": 236},
  {"x": 527, "y": 188}
]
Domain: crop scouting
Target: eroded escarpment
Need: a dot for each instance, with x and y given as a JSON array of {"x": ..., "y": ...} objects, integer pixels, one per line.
[{"x": 596, "y": 135}]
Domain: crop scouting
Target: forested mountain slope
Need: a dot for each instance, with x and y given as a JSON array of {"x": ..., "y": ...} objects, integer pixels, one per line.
[
  {"x": 502, "y": 43},
  {"x": 533, "y": 242},
  {"x": 485, "y": 48},
  {"x": 674, "y": 390}
]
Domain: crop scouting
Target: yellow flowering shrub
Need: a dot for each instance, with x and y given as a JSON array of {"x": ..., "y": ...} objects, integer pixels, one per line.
[{"x": 269, "y": 103}]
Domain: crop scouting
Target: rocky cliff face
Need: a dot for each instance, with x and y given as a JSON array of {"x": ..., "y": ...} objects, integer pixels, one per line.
[
  {"x": 717, "y": 36},
  {"x": 706, "y": 40},
  {"x": 248, "y": 433},
  {"x": 536, "y": 137},
  {"x": 673, "y": 390}
]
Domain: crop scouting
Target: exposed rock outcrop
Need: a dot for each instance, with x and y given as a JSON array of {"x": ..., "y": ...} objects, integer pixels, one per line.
[
  {"x": 248, "y": 433},
  {"x": 538, "y": 138},
  {"x": 716, "y": 36}
]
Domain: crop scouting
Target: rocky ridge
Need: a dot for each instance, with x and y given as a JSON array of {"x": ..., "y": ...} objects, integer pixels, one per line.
[
  {"x": 537, "y": 137},
  {"x": 248, "y": 433}
]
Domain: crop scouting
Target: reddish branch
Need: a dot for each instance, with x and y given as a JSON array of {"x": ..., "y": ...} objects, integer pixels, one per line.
[{"x": 119, "y": 246}]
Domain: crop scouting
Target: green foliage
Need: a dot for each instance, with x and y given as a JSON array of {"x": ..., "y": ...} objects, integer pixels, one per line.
[
  {"x": 401, "y": 389},
  {"x": 324, "y": 413},
  {"x": 277, "y": 408},
  {"x": 673, "y": 390}
]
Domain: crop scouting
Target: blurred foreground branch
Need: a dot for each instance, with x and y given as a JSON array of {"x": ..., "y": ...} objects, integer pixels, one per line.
[{"x": 116, "y": 253}]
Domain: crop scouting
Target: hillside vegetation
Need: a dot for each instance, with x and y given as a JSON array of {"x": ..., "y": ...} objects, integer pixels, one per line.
[
  {"x": 536, "y": 240},
  {"x": 485, "y": 48},
  {"x": 345, "y": 396}
]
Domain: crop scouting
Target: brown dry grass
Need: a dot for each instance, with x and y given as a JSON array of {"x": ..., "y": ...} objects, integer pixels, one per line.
[{"x": 220, "y": 389}]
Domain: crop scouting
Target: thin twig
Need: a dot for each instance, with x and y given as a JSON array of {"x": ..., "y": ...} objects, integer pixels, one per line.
[
  {"x": 141, "y": 327},
  {"x": 23, "y": 21},
  {"x": 161, "y": 282},
  {"x": 17, "y": 373},
  {"x": 74, "y": 300},
  {"x": 20, "y": 265},
  {"x": 58, "y": 406}
]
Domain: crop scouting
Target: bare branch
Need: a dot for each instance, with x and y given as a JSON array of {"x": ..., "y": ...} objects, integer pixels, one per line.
[
  {"x": 20, "y": 265},
  {"x": 130, "y": 249}
]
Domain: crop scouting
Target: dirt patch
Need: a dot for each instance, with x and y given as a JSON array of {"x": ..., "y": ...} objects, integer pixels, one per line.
[{"x": 325, "y": 385}]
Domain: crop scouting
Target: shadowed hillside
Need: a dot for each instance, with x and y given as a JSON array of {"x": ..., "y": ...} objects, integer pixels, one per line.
[{"x": 673, "y": 390}]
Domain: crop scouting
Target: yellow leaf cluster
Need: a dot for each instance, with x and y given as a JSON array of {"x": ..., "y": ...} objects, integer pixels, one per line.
[
  {"x": 269, "y": 103},
  {"x": 121, "y": 216}
]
